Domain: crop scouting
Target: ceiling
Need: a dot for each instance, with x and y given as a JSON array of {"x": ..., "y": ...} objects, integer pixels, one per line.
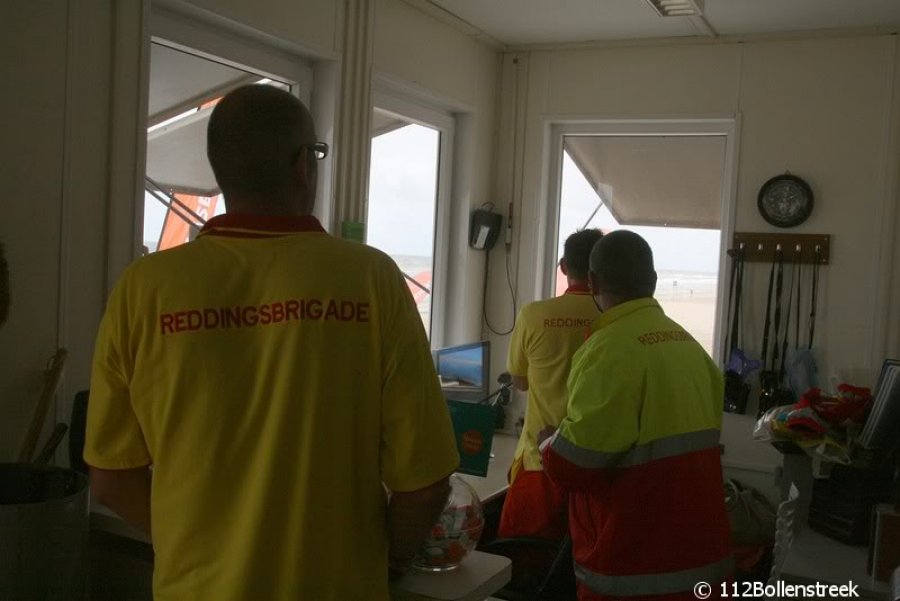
[{"x": 528, "y": 22}]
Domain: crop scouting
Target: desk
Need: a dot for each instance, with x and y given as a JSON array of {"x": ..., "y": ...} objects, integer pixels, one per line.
[
  {"x": 495, "y": 484},
  {"x": 479, "y": 575},
  {"x": 476, "y": 578},
  {"x": 815, "y": 557}
]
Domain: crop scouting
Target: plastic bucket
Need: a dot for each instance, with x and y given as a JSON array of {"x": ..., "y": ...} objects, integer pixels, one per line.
[{"x": 44, "y": 522}]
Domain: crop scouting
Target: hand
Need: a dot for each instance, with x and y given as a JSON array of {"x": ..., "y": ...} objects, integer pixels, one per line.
[{"x": 545, "y": 434}]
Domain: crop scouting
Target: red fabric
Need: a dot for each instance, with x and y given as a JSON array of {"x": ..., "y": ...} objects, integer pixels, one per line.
[
  {"x": 663, "y": 516},
  {"x": 534, "y": 506},
  {"x": 578, "y": 289},
  {"x": 263, "y": 224}
]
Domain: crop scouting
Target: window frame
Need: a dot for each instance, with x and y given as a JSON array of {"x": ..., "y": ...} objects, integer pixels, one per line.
[
  {"x": 727, "y": 126},
  {"x": 200, "y": 36},
  {"x": 415, "y": 111}
]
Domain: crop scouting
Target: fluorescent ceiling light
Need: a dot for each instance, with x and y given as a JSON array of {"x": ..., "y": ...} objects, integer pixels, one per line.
[{"x": 677, "y": 8}]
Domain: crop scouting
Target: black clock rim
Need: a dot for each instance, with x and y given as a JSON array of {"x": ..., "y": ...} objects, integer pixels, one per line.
[{"x": 799, "y": 217}]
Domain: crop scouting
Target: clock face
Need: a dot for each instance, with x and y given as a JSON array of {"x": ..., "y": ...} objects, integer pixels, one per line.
[{"x": 785, "y": 201}]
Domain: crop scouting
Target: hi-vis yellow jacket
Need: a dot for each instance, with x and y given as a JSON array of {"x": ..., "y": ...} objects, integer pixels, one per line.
[{"x": 638, "y": 450}]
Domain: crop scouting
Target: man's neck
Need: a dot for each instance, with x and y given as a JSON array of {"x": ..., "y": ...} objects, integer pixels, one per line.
[
  {"x": 577, "y": 283},
  {"x": 243, "y": 206}
]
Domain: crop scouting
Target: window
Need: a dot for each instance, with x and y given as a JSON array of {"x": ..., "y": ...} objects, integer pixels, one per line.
[
  {"x": 406, "y": 211},
  {"x": 186, "y": 82},
  {"x": 667, "y": 182}
]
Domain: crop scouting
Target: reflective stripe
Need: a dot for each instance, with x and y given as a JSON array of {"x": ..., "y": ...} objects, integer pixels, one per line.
[
  {"x": 645, "y": 585},
  {"x": 637, "y": 455}
]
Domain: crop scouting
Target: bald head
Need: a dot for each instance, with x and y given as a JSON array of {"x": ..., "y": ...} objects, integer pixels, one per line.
[
  {"x": 622, "y": 267},
  {"x": 255, "y": 144}
]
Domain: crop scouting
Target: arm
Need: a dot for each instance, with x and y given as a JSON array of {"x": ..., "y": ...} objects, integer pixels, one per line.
[
  {"x": 127, "y": 492},
  {"x": 517, "y": 358},
  {"x": 410, "y": 518},
  {"x": 602, "y": 419},
  {"x": 418, "y": 446}
]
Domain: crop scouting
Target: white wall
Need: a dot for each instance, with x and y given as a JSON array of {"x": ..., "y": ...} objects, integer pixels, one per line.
[
  {"x": 454, "y": 72},
  {"x": 824, "y": 108},
  {"x": 309, "y": 24},
  {"x": 32, "y": 154},
  {"x": 72, "y": 152},
  {"x": 59, "y": 149}
]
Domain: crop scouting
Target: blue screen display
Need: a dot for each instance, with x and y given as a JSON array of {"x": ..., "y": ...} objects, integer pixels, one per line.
[{"x": 462, "y": 367}]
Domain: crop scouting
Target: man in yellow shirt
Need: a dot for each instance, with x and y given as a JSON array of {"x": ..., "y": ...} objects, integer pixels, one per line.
[
  {"x": 278, "y": 380},
  {"x": 546, "y": 335}
]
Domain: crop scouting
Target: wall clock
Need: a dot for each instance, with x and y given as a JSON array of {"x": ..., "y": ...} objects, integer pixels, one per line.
[{"x": 785, "y": 200}]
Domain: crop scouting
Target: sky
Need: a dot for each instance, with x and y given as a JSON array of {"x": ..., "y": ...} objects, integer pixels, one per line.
[
  {"x": 402, "y": 184},
  {"x": 674, "y": 249}
]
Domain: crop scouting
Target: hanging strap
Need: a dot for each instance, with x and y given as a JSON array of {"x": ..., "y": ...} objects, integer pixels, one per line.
[
  {"x": 814, "y": 297},
  {"x": 732, "y": 300},
  {"x": 779, "y": 289},
  {"x": 797, "y": 266},
  {"x": 787, "y": 321},
  {"x": 738, "y": 292},
  {"x": 765, "y": 341},
  {"x": 739, "y": 321}
]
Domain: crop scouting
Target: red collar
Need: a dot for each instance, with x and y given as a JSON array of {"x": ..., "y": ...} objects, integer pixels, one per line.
[
  {"x": 243, "y": 225},
  {"x": 578, "y": 289}
]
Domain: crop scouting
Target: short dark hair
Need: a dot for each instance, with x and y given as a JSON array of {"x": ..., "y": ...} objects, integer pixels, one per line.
[
  {"x": 622, "y": 262},
  {"x": 577, "y": 252},
  {"x": 253, "y": 138}
]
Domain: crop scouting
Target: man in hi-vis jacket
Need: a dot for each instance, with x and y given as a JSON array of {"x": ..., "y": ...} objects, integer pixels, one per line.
[{"x": 638, "y": 449}]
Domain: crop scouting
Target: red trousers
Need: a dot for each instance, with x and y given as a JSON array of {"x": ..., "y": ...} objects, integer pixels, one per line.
[{"x": 534, "y": 507}]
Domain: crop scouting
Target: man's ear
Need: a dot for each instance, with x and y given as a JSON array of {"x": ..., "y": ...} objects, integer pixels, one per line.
[
  {"x": 594, "y": 283},
  {"x": 563, "y": 266},
  {"x": 300, "y": 168}
]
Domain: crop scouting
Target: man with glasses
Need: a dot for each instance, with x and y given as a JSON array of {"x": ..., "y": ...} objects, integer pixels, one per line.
[{"x": 278, "y": 381}]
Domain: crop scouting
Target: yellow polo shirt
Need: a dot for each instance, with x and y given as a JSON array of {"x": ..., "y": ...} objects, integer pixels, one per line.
[
  {"x": 275, "y": 377},
  {"x": 546, "y": 336}
]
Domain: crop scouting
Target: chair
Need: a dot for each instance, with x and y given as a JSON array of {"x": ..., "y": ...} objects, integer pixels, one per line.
[
  {"x": 785, "y": 531},
  {"x": 542, "y": 570}
]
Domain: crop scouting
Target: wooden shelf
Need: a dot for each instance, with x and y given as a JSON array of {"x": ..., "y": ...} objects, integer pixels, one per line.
[{"x": 760, "y": 247}]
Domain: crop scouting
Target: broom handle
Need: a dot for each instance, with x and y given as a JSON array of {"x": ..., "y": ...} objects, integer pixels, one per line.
[
  {"x": 51, "y": 383},
  {"x": 49, "y": 448}
]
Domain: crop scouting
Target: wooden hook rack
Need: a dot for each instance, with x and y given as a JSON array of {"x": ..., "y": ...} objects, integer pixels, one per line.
[{"x": 759, "y": 247}]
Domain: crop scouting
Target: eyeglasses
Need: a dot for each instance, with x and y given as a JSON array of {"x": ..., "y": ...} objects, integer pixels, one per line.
[{"x": 319, "y": 149}]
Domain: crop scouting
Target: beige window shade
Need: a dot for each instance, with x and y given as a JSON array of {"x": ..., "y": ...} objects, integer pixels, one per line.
[
  {"x": 673, "y": 181},
  {"x": 176, "y": 153},
  {"x": 384, "y": 122}
]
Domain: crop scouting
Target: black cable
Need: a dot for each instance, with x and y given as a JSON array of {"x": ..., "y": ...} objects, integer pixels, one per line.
[{"x": 487, "y": 322}]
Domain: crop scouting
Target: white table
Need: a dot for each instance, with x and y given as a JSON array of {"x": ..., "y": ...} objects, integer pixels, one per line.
[
  {"x": 476, "y": 578},
  {"x": 815, "y": 557},
  {"x": 480, "y": 574},
  {"x": 503, "y": 447}
]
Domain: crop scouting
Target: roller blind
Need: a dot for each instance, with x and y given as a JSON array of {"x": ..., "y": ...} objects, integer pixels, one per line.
[{"x": 673, "y": 180}]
